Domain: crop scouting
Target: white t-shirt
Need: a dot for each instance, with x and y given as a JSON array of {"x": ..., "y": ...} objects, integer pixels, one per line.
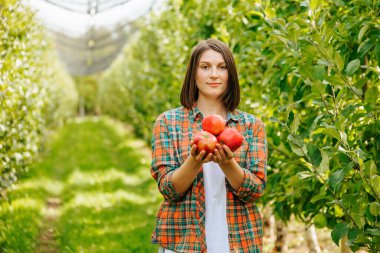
[{"x": 216, "y": 218}]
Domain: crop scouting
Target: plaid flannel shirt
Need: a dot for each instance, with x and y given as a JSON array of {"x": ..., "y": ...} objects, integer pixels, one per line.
[{"x": 181, "y": 218}]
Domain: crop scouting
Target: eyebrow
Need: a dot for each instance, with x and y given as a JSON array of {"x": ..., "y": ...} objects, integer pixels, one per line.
[{"x": 222, "y": 62}]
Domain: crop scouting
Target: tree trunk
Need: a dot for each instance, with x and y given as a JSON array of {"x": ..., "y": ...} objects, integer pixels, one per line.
[
  {"x": 82, "y": 110},
  {"x": 269, "y": 223},
  {"x": 312, "y": 239},
  {"x": 344, "y": 245},
  {"x": 280, "y": 245}
]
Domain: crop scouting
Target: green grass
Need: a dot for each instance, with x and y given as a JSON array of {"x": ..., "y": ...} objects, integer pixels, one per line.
[
  {"x": 100, "y": 172},
  {"x": 19, "y": 222}
]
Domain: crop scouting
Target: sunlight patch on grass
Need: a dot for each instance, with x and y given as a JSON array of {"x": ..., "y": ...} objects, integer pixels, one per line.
[
  {"x": 80, "y": 178},
  {"x": 101, "y": 200},
  {"x": 51, "y": 186},
  {"x": 85, "y": 119},
  {"x": 138, "y": 145},
  {"x": 109, "y": 230},
  {"x": 22, "y": 203}
]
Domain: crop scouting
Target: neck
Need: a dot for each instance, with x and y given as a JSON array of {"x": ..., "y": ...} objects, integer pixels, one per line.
[{"x": 209, "y": 107}]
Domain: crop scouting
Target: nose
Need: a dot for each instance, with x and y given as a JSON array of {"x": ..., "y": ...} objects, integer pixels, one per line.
[{"x": 214, "y": 73}]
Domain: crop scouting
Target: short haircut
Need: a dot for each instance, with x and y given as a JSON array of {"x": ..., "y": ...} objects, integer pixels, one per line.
[{"x": 190, "y": 92}]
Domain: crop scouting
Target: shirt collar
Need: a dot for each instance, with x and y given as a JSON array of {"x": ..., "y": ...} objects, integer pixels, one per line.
[
  {"x": 194, "y": 112},
  {"x": 234, "y": 115}
]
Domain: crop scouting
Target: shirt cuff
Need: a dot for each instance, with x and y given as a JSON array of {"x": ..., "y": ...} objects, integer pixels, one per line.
[
  {"x": 168, "y": 190},
  {"x": 243, "y": 186}
]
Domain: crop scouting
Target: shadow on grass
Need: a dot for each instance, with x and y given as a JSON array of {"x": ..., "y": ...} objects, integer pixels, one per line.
[
  {"x": 98, "y": 221},
  {"x": 89, "y": 145}
]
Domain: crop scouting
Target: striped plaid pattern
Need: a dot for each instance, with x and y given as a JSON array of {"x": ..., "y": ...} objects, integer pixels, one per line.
[{"x": 181, "y": 217}]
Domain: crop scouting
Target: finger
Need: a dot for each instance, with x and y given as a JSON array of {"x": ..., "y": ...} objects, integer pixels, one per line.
[
  {"x": 193, "y": 150},
  {"x": 222, "y": 152},
  {"x": 228, "y": 152},
  {"x": 208, "y": 157},
  {"x": 200, "y": 156},
  {"x": 226, "y": 148},
  {"x": 217, "y": 155}
]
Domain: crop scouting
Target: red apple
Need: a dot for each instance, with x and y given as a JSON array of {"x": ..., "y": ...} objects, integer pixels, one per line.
[
  {"x": 213, "y": 124},
  {"x": 231, "y": 137},
  {"x": 205, "y": 141}
]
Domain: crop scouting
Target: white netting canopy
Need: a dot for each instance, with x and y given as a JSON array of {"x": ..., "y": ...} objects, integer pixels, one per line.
[{"x": 89, "y": 34}]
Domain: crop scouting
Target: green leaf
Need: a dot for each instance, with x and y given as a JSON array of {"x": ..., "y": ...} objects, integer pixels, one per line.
[
  {"x": 372, "y": 95},
  {"x": 294, "y": 125},
  {"x": 317, "y": 86},
  {"x": 365, "y": 47},
  {"x": 290, "y": 107},
  {"x": 362, "y": 239},
  {"x": 337, "y": 177},
  {"x": 374, "y": 231},
  {"x": 297, "y": 145},
  {"x": 315, "y": 122},
  {"x": 319, "y": 72},
  {"x": 304, "y": 174},
  {"x": 370, "y": 169},
  {"x": 335, "y": 80},
  {"x": 338, "y": 232},
  {"x": 297, "y": 150},
  {"x": 324, "y": 166},
  {"x": 357, "y": 212},
  {"x": 295, "y": 139},
  {"x": 319, "y": 197},
  {"x": 338, "y": 60},
  {"x": 376, "y": 184},
  {"x": 343, "y": 137},
  {"x": 377, "y": 53},
  {"x": 314, "y": 154},
  {"x": 374, "y": 208},
  {"x": 362, "y": 31},
  {"x": 352, "y": 66},
  {"x": 330, "y": 131},
  {"x": 353, "y": 233},
  {"x": 325, "y": 62},
  {"x": 339, "y": 3},
  {"x": 255, "y": 13}
]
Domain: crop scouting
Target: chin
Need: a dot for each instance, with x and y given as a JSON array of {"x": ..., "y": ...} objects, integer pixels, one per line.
[{"x": 215, "y": 95}]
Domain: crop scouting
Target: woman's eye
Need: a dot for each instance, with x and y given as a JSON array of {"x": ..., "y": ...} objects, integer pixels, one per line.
[
  {"x": 223, "y": 67},
  {"x": 204, "y": 67}
]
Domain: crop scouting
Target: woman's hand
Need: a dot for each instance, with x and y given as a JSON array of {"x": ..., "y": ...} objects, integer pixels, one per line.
[
  {"x": 200, "y": 157},
  {"x": 223, "y": 154}
]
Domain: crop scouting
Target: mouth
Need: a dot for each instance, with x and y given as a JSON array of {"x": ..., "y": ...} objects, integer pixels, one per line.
[{"x": 214, "y": 84}]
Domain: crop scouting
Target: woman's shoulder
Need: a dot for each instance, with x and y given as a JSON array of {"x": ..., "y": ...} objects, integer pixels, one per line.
[
  {"x": 248, "y": 117},
  {"x": 175, "y": 113}
]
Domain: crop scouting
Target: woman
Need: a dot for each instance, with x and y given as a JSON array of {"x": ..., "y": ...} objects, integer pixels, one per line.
[{"x": 209, "y": 199}]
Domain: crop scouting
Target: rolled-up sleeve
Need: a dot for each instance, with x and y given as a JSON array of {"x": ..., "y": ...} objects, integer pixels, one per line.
[
  {"x": 163, "y": 161},
  {"x": 254, "y": 180}
]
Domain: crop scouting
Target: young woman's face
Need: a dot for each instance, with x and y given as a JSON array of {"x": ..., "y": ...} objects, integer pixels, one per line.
[{"x": 212, "y": 75}]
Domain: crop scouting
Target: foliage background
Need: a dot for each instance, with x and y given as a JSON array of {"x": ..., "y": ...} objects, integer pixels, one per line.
[
  {"x": 35, "y": 91},
  {"x": 309, "y": 69}
]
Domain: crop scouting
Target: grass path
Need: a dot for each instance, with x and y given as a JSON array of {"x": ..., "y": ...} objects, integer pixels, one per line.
[
  {"x": 47, "y": 239},
  {"x": 91, "y": 191}
]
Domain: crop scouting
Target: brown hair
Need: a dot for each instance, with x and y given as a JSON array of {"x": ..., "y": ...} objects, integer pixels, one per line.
[{"x": 190, "y": 92}]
